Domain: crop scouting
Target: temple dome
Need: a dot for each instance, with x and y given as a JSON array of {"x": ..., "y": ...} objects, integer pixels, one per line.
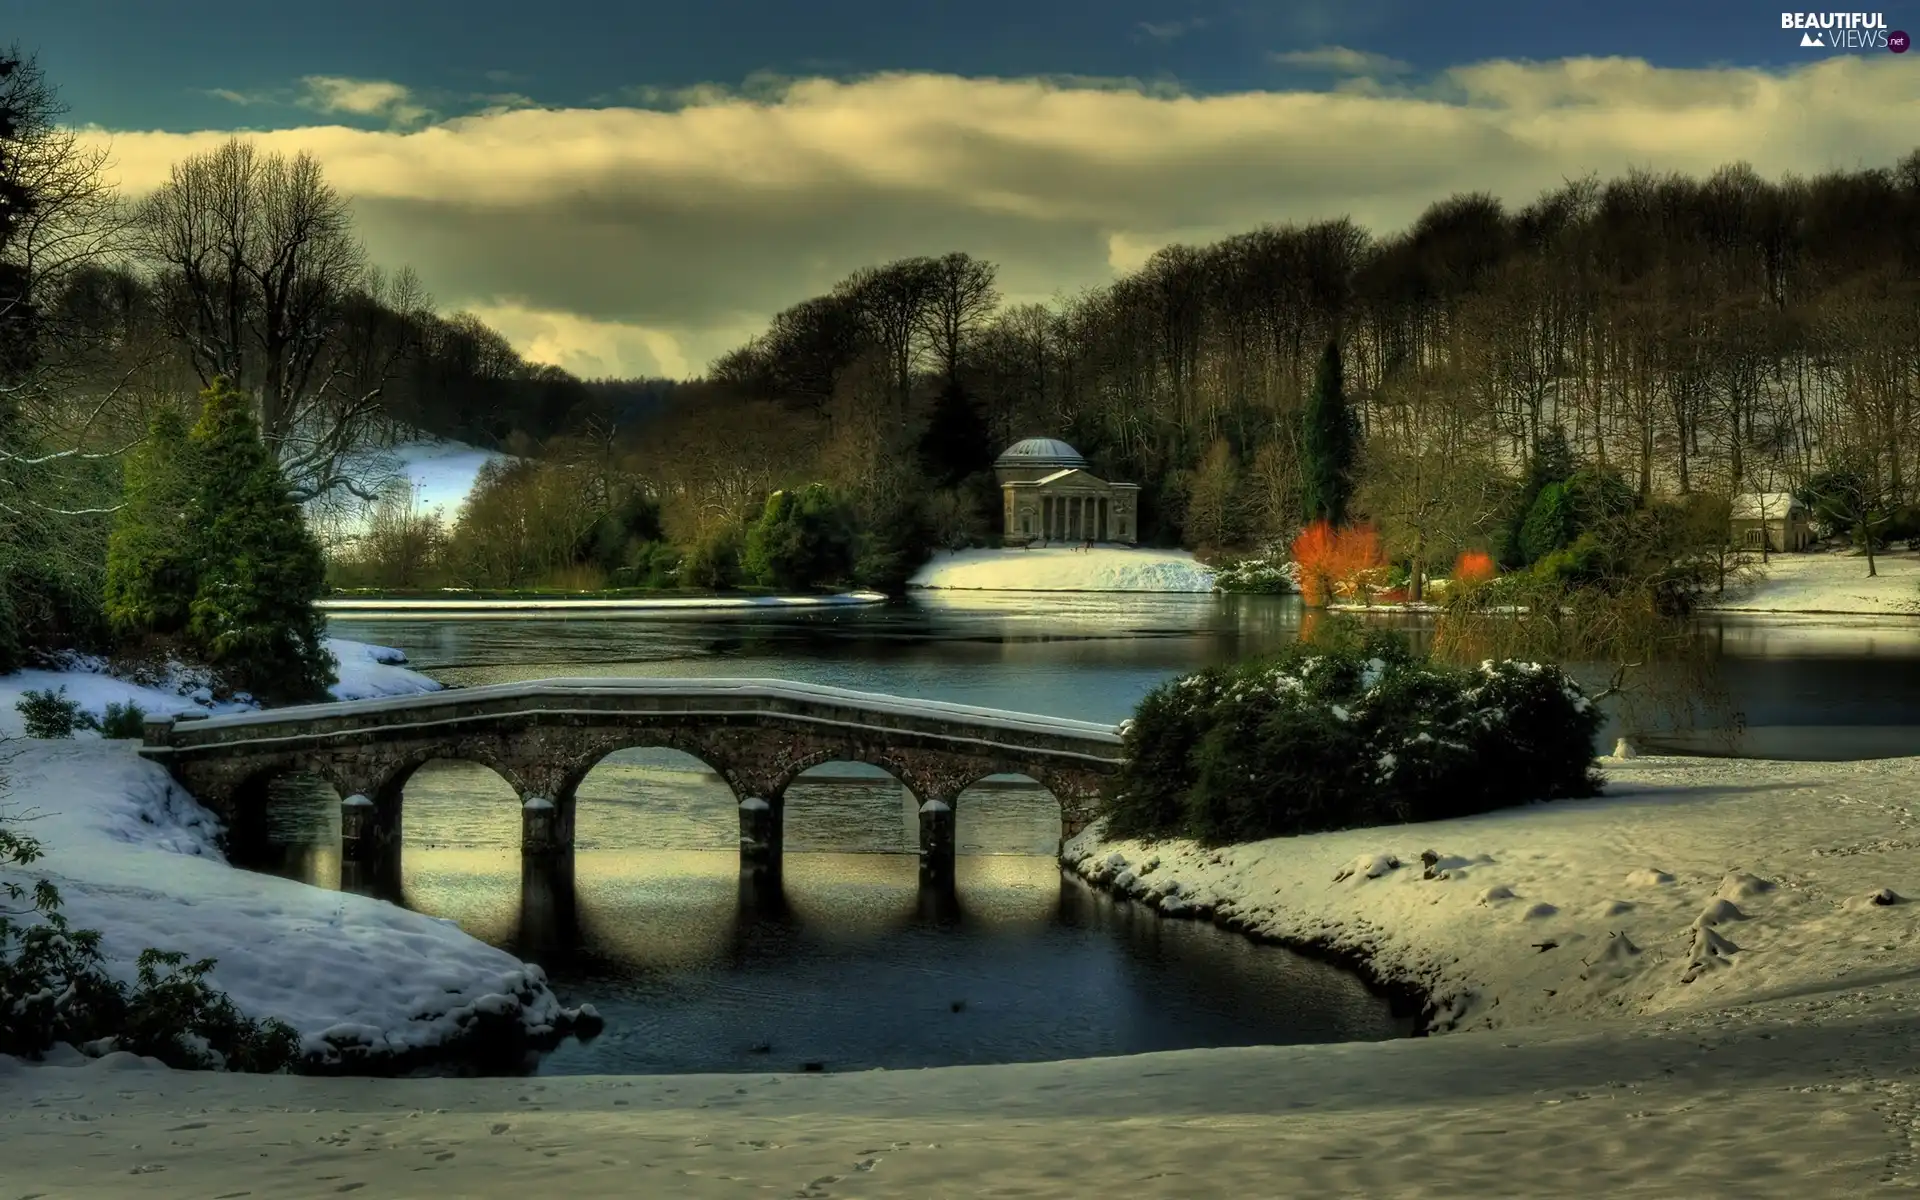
[{"x": 1040, "y": 452}]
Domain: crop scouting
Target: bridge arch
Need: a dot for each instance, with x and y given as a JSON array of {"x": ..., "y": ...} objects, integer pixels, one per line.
[
  {"x": 263, "y": 775},
  {"x": 473, "y": 791},
  {"x": 825, "y": 807},
  {"x": 899, "y": 766},
  {"x": 597, "y": 789},
  {"x": 245, "y": 806},
  {"x": 596, "y": 749},
  {"x": 398, "y": 771}
]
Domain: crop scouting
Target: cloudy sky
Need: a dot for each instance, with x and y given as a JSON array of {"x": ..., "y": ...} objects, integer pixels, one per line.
[{"x": 632, "y": 187}]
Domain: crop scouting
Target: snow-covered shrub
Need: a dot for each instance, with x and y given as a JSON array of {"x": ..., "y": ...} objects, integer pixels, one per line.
[
  {"x": 1352, "y": 734},
  {"x": 51, "y": 714},
  {"x": 54, "y": 989},
  {"x": 1161, "y": 738},
  {"x": 1258, "y": 575}
]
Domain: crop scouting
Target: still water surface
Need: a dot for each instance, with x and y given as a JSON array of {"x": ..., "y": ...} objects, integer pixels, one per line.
[{"x": 847, "y": 964}]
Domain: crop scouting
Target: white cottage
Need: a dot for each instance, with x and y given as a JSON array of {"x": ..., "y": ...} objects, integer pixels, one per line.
[{"x": 1770, "y": 520}]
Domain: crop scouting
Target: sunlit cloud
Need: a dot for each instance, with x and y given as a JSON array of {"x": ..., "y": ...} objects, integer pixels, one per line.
[
  {"x": 589, "y": 348},
  {"x": 652, "y": 238},
  {"x": 336, "y": 94}
]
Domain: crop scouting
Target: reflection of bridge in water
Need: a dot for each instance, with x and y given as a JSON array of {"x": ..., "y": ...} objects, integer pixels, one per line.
[
  {"x": 542, "y": 737},
  {"x": 551, "y": 925}
]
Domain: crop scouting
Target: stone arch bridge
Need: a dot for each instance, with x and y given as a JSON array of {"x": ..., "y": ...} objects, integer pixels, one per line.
[{"x": 543, "y": 737}]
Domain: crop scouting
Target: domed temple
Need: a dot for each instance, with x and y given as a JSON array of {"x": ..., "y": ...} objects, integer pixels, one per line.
[{"x": 1050, "y": 496}]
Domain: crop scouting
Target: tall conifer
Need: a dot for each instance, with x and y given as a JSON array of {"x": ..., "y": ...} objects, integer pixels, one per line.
[
  {"x": 261, "y": 570},
  {"x": 1331, "y": 439}
]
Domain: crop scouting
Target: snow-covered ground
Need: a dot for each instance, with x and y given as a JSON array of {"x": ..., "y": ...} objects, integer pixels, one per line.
[
  {"x": 1693, "y": 882},
  {"x": 442, "y": 472},
  {"x": 134, "y": 857},
  {"x": 1829, "y": 582},
  {"x": 364, "y": 671},
  {"x": 1064, "y": 569},
  {"x": 1583, "y": 1064}
]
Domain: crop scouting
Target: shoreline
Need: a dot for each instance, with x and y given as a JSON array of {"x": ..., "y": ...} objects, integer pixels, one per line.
[
  {"x": 717, "y": 603},
  {"x": 1466, "y": 915},
  {"x": 1405, "y": 997}
]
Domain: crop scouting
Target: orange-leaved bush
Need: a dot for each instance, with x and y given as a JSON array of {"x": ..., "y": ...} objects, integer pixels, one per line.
[
  {"x": 1330, "y": 559},
  {"x": 1475, "y": 566}
]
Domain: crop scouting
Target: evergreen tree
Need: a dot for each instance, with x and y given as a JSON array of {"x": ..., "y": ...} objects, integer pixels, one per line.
[
  {"x": 151, "y": 556},
  {"x": 1551, "y": 463},
  {"x": 1332, "y": 438},
  {"x": 801, "y": 540},
  {"x": 261, "y": 570},
  {"x": 957, "y": 442}
]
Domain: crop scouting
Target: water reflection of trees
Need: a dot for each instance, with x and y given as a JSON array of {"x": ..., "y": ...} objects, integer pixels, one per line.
[{"x": 1655, "y": 671}]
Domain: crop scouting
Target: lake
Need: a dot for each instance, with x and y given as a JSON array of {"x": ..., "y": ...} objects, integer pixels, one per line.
[{"x": 846, "y": 964}]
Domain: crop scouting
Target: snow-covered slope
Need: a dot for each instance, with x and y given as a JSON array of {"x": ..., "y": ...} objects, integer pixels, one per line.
[
  {"x": 1830, "y": 582},
  {"x": 1064, "y": 569},
  {"x": 442, "y": 472},
  {"x": 364, "y": 672},
  {"x": 134, "y": 857}
]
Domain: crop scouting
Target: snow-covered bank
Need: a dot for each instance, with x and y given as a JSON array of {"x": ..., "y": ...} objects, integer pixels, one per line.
[
  {"x": 135, "y": 858},
  {"x": 1802, "y": 1097},
  {"x": 1691, "y": 883},
  {"x": 365, "y": 672},
  {"x": 1778, "y": 1072},
  {"x": 1829, "y": 582},
  {"x": 374, "y": 607},
  {"x": 1064, "y": 569}
]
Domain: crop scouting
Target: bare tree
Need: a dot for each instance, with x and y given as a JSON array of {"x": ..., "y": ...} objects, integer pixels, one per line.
[
  {"x": 893, "y": 302},
  {"x": 962, "y": 297},
  {"x": 264, "y": 282},
  {"x": 61, "y": 387}
]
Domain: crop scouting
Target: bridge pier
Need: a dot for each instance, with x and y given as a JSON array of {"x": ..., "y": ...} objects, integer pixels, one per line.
[
  {"x": 936, "y": 844},
  {"x": 367, "y": 830},
  {"x": 760, "y": 835},
  {"x": 546, "y": 825}
]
